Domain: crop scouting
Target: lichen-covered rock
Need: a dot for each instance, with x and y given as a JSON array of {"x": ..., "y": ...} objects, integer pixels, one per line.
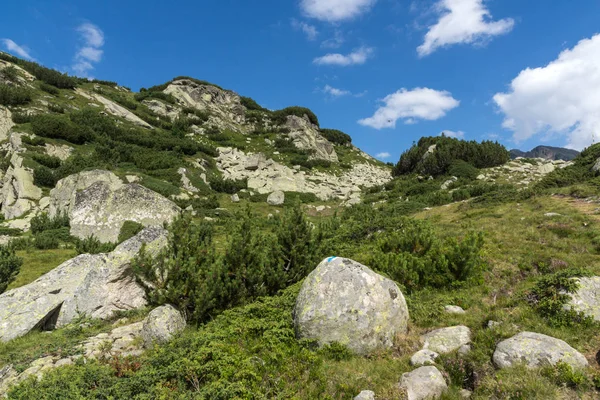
[
  {"x": 346, "y": 302},
  {"x": 596, "y": 166},
  {"x": 425, "y": 383},
  {"x": 161, "y": 324},
  {"x": 423, "y": 357},
  {"x": 93, "y": 285},
  {"x": 365, "y": 395},
  {"x": 18, "y": 194},
  {"x": 454, "y": 310},
  {"x": 587, "y": 297},
  {"x": 120, "y": 341},
  {"x": 59, "y": 151},
  {"x": 6, "y": 123},
  {"x": 536, "y": 350},
  {"x": 306, "y": 136},
  {"x": 276, "y": 198},
  {"x": 446, "y": 340}
]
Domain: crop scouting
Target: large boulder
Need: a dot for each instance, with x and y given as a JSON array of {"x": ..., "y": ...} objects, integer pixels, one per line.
[
  {"x": 161, "y": 324},
  {"x": 447, "y": 340},
  {"x": 98, "y": 204},
  {"x": 306, "y": 136},
  {"x": 586, "y": 298},
  {"x": 536, "y": 350},
  {"x": 276, "y": 198},
  {"x": 18, "y": 194},
  {"x": 346, "y": 302},
  {"x": 93, "y": 285},
  {"x": 425, "y": 383}
]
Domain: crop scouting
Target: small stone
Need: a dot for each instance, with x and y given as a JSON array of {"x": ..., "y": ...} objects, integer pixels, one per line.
[
  {"x": 465, "y": 394},
  {"x": 423, "y": 383},
  {"x": 235, "y": 198},
  {"x": 493, "y": 324},
  {"x": 365, "y": 395},
  {"x": 454, "y": 310},
  {"x": 552, "y": 214},
  {"x": 446, "y": 340},
  {"x": 276, "y": 198},
  {"x": 423, "y": 357}
]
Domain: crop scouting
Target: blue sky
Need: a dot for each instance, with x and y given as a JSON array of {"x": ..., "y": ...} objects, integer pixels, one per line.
[{"x": 385, "y": 71}]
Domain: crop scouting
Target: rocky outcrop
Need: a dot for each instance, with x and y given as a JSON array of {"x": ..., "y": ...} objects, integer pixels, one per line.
[
  {"x": 267, "y": 176},
  {"x": 425, "y": 383},
  {"x": 346, "y": 302},
  {"x": 276, "y": 198},
  {"x": 447, "y": 340},
  {"x": 225, "y": 105},
  {"x": 92, "y": 285},
  {"x": 306, "y": 136},
  {"x": 121, "y": 341},
  {"x": 522, "y": 172},
  {"x": 59, "y": 151},
  {"x": 161, "y": 108},
  {"x": 113, "y": 108},
  {"x": 536, "y": 350},
  {"x": 161, "y": 325},
  {"x": 18, "y": 194},
  {"x": 6, "y": 123},
  {"x": 98, "y": 203},
  {"x": 586, "y": 298}
]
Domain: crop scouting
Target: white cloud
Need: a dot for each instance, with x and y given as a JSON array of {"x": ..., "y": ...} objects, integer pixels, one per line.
[
  {"x": 411, "y": 105},
  {"x": 335, "y": 42},
  {"x": 91, "y": 52},
  {"x": 335, "y": 10},
  {"x": 309, "y": 30},
  {"x": 453, "y": 134},
  {"x": 383, "y": 155},
  {"x": 561, "y": 98},
  {"x": 462, "y": 21},
  {"x": 335, "y": 92},
  {"x": 21, "y": 51},
  {"x": 357, "y": 57}
]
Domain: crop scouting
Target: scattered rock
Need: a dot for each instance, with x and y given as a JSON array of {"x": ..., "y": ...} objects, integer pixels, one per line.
[
  {"x": 454, "y": 310},
  {"x": 346, "y": 302},
  {"x": 423, "y": 357},
  {"x": 424, "y": 383},
  {"x": 493, "y": 324},
  {"x": 185, "y": 181},
  {"x": 120, "y": 341},
  {"x": 235, "y": 198},
  {"x": 59, "y": 151},
  {"x": 93, "y": 285},
  {"x": 365, "y": 395},
  {"x": 161, "y": 324},
  {"x": 276, "y": 198},
  {"x": 552, "y": 214},
  {"x": 446, "y": 340},
  {"x": 587, "y": 297},
  {"x": 536, "y": 350},
  {"x": 446, "y": 185}
]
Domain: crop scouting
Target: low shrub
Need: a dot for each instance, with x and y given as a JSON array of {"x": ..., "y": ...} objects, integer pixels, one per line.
[
  {"x": 44, "y": 176},
  {"x": 129, "y": 229},
  {"x": 47, "y": 160},
  {"x": 337, "y": 137},
  {"x": 10, "y": 266},
  {"x": 13, "y": 96},
  {"x": 91, "y": 245},
  {"x": 280, "y": 116},
  {"x": 42, "y": 222},
  {"x": 50, "y": 89},
  {"x": 229, "y": 186}
]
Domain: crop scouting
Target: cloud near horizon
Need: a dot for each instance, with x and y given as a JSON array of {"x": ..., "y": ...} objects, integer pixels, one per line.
[
  {"x": 462, "y": 21},
  {"x": 560, "y": 98},
  {"x": 91, "y": 52},
  {"x": 21, "y": 51},
  {"x": 411, "y": 106}
]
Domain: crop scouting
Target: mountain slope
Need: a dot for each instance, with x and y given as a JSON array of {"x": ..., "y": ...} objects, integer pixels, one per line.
[{"x": 547, "y": 152}]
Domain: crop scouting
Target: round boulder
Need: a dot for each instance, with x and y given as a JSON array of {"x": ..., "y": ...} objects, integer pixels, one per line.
[
  {"x": 423, "y": 357},
  {"x": 423, "y": 383},
  {"x": 536, "y": 350},
  {"x": 346, "y": 302},
  {"x": 447, "y": 340},
  {"x": 161, "y": 324},
  {"x": 276, "y": 198}
]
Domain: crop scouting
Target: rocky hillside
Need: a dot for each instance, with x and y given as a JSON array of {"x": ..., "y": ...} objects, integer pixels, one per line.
[
  {"x": 184, "y": 242},
  {"x": 546, "y": 152}
]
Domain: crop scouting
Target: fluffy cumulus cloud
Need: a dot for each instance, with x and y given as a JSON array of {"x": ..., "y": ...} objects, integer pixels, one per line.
[
  {"x": 91, "y": 51},
  {"x": 309, "y": 30},
  {"x": 454, "y": 134},
  {"x": 335, "y": 92},
  {"x": 21, "y": 51},
  {"x": 411, "y": 106},
  {"x": 335, "y": 10},
  {"x": 383, "y": 155},
  {"x": 357, "y": 57},
  {"x": 462, "y": 21},
  {"x": 561, "y": 98}
]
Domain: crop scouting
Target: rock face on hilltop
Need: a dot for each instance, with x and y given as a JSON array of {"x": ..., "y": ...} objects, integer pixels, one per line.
[
  {"x": 98, "y": 203},
  {"x": 346, "y": 302},
  {"x": 93, "y": 285},
  {"x": 306, "y": 136},
  {"x": 546, "y": 152}
]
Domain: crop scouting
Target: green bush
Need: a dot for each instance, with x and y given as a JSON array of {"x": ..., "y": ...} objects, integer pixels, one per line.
[
  {"x": 42, "y": 222},
  {"x": 49, "y": 76},
  {"x": 229, "y": 186},
  {"x": 58, "y": 127},
  {"x": 337, "y": 137},
  {"x": 47, "y": 160},
  {"x": 91, "y": 245},
  {"x": 13, "y": 96},
  {"x": 129, "y": 229},
  {"x": 460, "y": 195},
  {"x": 10, "y": 74},
  {"x": 44, "y": 176},
  {"x": 250, "y": 104},
  {"x": 10, "y": 266},
  {"x": 462, "y": 169},
  {"x": 46, "y": 240},
  {"x": 280, "y": 116},
  {"x": 21, "y": 118},
  {"x": 50, "y": 89}
]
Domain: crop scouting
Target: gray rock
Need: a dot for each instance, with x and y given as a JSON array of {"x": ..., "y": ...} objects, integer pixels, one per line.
[
  {"x": 454, "y": 310},
  {"x": 276, "y": 198},
  {"x": 552, "y": 214},
  {"x": 93, "y": 285},
  {"x": 423, "y": 357},
  {"x": 18, "y": 194},
  {"x": 161, "y": 324},
  {"x": 447, "y": 340},
  {"x": 536, "y": 350},
  {"x": 59, "y": 151},
  {"x": 365, "y": 395},
  {"x": 6, "y": 123},
  {"x": 446, "y": 185},
  {"x": 423, "y": 383},
  {"x": 306, "y": 136},
  {"x": 346, "y": 302},
  {"x": 235, "y": 198},
  {"x": 596, "y": 166},
  {"x": 587, "y": 297}
]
